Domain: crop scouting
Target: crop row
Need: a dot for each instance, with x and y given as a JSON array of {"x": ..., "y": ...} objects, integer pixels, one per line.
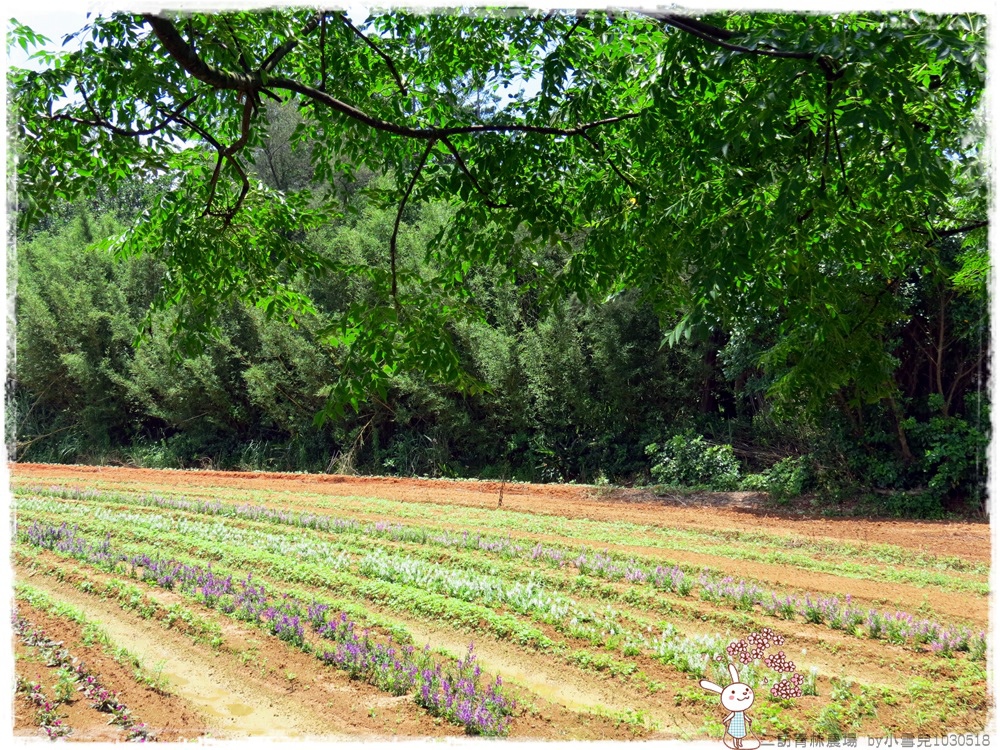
[
  {"x": 608, "y": 628},
  {"x": 690, "y": 654},
  {"x": 46, "y": 714},
  {"x": 617, "y": 565},
  {"x": 396, "y": 596},
  {"x": 455, "y": 693},
  {"x": 500, "y": 586},
  {"x": 524, "y": 597},
  {"x": 752, "y": 545},
  {"x": 895, "y": 626},
  {"x": 74, "y": 678}
]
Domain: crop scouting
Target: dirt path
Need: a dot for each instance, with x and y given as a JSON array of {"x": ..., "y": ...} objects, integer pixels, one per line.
[
  {"x": 967, "y": 540},
  {"x": 231, "y": 704},
  {"x": 170, "y": 717},
  {"x": 229, "y": 686},
  {"x": 558, "y": 683}
]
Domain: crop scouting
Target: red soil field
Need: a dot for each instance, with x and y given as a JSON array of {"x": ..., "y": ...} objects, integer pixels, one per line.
[{"x": 346, "y": 708}]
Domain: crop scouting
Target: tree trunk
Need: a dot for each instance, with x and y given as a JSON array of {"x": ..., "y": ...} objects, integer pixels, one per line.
[{"x": 904, "y": 446}]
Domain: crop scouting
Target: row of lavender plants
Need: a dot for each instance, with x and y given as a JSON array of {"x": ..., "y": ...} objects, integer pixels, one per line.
[
  {"x": 56, "y": 655},
  {"x": 455, "y": 693},
  {"x": 527, "y": 597},
  {"x": 587, "y": 561},
  {"x": 308, "y": 549},
  {"x": 605, "y": 626},
  {"x": 286, "y": 568},
  {"x": 895, "y": 626},
  {"x": 381, "y": 665},
  {"x": 47, "y": 713}
]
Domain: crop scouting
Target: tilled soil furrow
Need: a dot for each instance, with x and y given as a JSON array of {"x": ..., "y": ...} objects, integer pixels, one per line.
[
  {"x": 570, "y": 660},
  {"x": 386, "y": 714},
  {"x": 169, "y": 717},
  {"x": 232, "y": 699}
]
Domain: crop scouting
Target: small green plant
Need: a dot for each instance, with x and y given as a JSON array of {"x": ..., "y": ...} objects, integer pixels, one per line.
[
  {"x": 155, "y": 679},
  {"x": 631, "y": 648},
  {"x": 773, "y": 719},
  {"x": 828, "y": 723},
  {"x": 840, "y": 690},
  {"x": 66, "y": 686},
  {"x": 91, "y": 634},
  {"x": 809, "y": 683},
  {"x": 694, "y": 695},
  {"x": 637, "y": 720}
]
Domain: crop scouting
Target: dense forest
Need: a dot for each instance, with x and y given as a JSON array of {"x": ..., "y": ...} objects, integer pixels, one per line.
[
  {"x": 569, "y": 390},
  {"x": 751, "y": 270}
]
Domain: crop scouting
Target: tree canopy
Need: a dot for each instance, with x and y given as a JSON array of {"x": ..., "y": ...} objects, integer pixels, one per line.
[{"x": 749, "y": 171}]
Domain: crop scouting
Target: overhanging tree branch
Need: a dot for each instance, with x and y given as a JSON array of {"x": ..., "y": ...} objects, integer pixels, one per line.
[
  {"x": 230, "y": 155},
  {"x": 722, "y": 38},
  {"x": 189, "y": 60},
  {"x": 100, "y": 122},
  {"x": 185, "y": 54},
  {"x": 239, "y": 47},
  {"x": 249, "y": 84},
  {"x": 475, "y": 183},
  {"x": 399, "y": 216},
  {"x": 283, "y": 49},
  {"x": 941, "y": 234},
  {"x": 375, "y": 48},
  {"x": 385, "y": 126},
  {"x": 580, "y": 17},
  {"x": 226, "y": 154},
  {"x": 600, "y": 150}
]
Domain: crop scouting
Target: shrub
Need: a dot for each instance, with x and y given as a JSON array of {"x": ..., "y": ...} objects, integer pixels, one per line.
[
  {"x": 687, "y": 460},
  {"x": 953, "y": 456},
  {"x": 785, "y": 480},
  {"x": 914, "y": 504}
]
